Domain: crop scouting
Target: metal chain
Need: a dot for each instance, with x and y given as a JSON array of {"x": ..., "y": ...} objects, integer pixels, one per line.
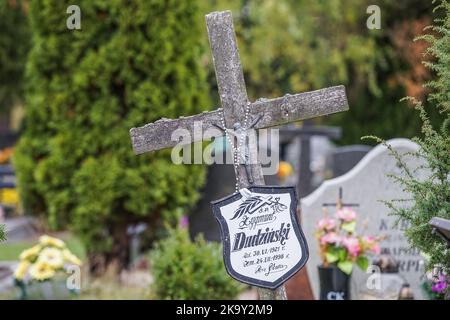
[{"x": 236, "y": 151}]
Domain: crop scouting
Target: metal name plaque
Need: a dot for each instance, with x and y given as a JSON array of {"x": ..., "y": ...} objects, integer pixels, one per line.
[{"x": 263, "y": 244}]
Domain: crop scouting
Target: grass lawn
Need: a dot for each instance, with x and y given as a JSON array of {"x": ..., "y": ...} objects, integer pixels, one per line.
[
  {"x": 106, "y": 287},
  {"x": 11, "y": 251}
]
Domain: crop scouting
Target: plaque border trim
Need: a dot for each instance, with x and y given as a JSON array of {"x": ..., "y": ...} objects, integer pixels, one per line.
[{"x": 225, "y": 235}]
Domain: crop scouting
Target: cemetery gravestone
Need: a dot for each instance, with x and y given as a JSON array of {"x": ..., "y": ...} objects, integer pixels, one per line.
[
  {"x": 345, "y": 158},
  {"x": 20, "y": 229},
  {"x": 301, "y": 141},
  {"x": 134, "y": 232},
  {"x": 304, "y": 181},
  {"x": 367, "y": 184},
  {"x": 237, "y": 109},
  {"x": 201, "y": 220},
  {"x": 6, "y": 272},
  {"x": 7, "y": 139}
]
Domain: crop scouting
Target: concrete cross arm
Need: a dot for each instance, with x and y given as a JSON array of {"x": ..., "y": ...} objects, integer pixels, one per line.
[
  {"x": 159, "y": 134},
  {"x": 273, "y": 112},
  {"x": 300, "y": 106}
]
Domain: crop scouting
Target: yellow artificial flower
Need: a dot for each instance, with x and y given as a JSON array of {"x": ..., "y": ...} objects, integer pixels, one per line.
[
  {"x": 21, "y": 270},
  {"x": 71, "y": 258},
  {"x": 41, "y": 271},
  {"x": 9, "y": 196},
  {"x": 30, "y": 254},
  {"x": 52, "y": 257},
  {"x": 50, "y": 241}
]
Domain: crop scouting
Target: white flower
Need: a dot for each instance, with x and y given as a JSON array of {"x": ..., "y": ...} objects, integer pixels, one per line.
[
  {"x": 50, "y": 241},
  {"x": 52, "y": 257},
  {"x": 41, "y": 271},
  {"x": 71, "y": 258},
  {"x": 21, "y": 270},
  {"x": 31, "y": 253}
]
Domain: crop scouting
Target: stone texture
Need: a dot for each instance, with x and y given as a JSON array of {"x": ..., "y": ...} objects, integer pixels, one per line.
[
  {"x": 345, "y": 158},
  {"x": 367, "y": 184}
]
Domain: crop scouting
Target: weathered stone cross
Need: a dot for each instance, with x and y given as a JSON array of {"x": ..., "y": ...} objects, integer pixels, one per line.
[{"x": 233, "y": 95}]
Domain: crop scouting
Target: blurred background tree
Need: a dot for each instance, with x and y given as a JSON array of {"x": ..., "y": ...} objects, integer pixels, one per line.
[
  {"x": 131, "y": 63},
  {"x": 14, "y": 46},
  {"x": 431, "y": 196},
  {"x": 300, "y": 45},
  {"x": 137, "y": 61},
  {"x": 2, "y": 233}
]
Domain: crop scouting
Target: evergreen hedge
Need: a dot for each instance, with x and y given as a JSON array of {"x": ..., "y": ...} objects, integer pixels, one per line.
[
  {"x": 132, "y": 62},
  {"x": 14, "y": 46},
  {"x": 191, "y": 270}
]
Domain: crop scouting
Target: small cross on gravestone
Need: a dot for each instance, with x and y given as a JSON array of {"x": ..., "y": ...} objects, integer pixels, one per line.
[{"x": 236, "y": 107}]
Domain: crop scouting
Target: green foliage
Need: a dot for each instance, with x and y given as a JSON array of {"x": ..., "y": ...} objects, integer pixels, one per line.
[
  {"x": 10, "y": 251},
  {"x": 14, "y": 46},
  {"x": 2, "y": 233},
  {"x": 131, "y": 63},
  {"x": 440, "y": 50},
  {"x": 397, "y": 71},
  {"x": 362, "y": 263},
  {"x": 431, "y": 197},
  {"x": 183, "y": 269},
  {"x": 340, "y": 257},
  {"x": 283, "y": 49},
  {"x": 300, "y": 45},
  {"x": 345, "y": 266}
]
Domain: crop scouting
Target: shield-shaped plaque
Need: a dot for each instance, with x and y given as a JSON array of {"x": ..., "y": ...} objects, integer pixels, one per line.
[{"x": 263, "y": 244}]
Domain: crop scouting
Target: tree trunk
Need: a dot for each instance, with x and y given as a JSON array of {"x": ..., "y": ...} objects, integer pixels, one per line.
[{"x": 117, "y": 259}]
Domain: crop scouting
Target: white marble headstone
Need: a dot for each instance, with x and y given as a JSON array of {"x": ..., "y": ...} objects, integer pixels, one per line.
[{"x": 366, "y": 184}]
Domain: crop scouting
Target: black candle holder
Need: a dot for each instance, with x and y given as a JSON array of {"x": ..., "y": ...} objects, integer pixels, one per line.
[{"x": 441, "y": 227}]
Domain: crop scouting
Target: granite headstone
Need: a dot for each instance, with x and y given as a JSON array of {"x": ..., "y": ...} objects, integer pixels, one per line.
[
  {"x": 366, "y": 184},
  {"x": 346, "y": 157}
]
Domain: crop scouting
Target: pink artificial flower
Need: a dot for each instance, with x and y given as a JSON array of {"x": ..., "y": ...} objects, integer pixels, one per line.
[
  {"x": 352, "y": 245},
  {"x": 331, "y": 237},
  {"x": 372, "y": 244},
  {"x": 327, "y": 224},
  {"x": 346, "y": 214},
  {"x": 376, "y": 249}
]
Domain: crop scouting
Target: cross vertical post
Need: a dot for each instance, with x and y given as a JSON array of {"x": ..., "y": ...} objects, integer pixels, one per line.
[
  {"x": 234, "y": 99},
  {"x": 340, "y": 202}
]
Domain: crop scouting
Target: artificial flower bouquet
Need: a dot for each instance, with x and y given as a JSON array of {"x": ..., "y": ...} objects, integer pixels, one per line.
[
  {"x": 437, "y": 285},
  {"x": 340, "y": 245},
  {"x": 43, "y": 262}
]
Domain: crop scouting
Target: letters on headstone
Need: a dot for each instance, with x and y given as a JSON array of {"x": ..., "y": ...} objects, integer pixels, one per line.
[{"x": 368, "y": 184}]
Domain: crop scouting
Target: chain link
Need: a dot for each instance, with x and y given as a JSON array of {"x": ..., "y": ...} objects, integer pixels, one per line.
[{"x": 236, "y": 152}]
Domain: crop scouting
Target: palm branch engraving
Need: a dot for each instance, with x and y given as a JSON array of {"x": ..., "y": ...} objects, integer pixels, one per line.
[{"x": 250, "y": 205}]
